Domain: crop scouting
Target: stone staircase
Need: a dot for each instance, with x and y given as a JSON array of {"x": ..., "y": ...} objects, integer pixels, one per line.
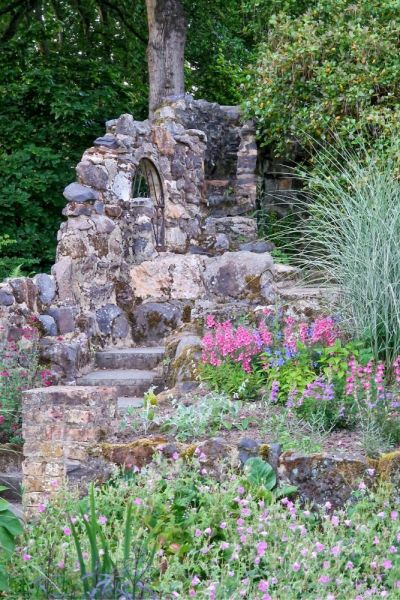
[{"x": 131, "y": 370}]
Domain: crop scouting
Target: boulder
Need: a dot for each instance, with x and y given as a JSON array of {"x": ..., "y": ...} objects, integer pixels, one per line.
[
  {"x": 76, "y": 192},
  {"x": 171, "y": 276},
  {"x": 320, "y": 478},
  {"x": 239, "y": 275},
  {"x": 154, "y": 320},
  {"x": 95, "y": 176}
]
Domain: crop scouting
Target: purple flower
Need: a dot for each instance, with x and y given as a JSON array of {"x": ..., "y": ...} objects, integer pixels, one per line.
[
  {"x": 296, "y": 566},
  {"x": 324, "y": 579}
]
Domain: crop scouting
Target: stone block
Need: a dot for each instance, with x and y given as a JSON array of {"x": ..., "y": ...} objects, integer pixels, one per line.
[
  {"x": 64, "y": 317},
  {"x": 24, "y": 291},
  {"x": 49, "y": 325},
  {"x": 6, "y": 297},
  {"x": 76, "y": 192},
  {"x": 46, "y": 287},
  {"x": 95, "y": 176},
  {"x": 107, "y": 141}
]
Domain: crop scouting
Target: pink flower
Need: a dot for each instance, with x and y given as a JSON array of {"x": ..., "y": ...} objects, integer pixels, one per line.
[
  {"x": 224, "y": 545},
  {"x": 387, "y": 564},
  {"x": 324, "y": 579},
  {"x": 61, "y": 564},
  {"x": 319, "y": 547},
  {"x": 41, "y": 508},
  {"x": 296, "y": 566},
  {"x": 26, "y": 557},
  {"x": 335, "y": 551},
  {"x": 223, "y": 525},
  {"x": 195, "y": 581},
  {"x": 67, "y": 531},
  {"x": 102, "y": 520},
  {"x": 175, "y": 456},
  {"x": 261, "y": 548},
  {"x": 138, "y": 501},
  {"x": 349, "y": 565},
  {"x": 192, "y": 593},
  {"x": 263, "y": 586},
  {"x": 394, "y": 515},
  {"x": 335, "y": 520},
  {"x": 197, "y": 533}
]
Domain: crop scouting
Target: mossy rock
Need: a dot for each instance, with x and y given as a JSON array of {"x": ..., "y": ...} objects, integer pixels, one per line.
[
  {"x": 388, "y": 467},
  {"x": 137, "y": 453}
]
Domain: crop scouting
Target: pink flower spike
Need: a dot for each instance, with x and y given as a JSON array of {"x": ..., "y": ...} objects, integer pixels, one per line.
[{"x": 26, "y": 557}]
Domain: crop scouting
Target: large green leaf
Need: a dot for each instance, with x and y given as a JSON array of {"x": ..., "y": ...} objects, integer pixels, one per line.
[{"x": 260, "y": 473}]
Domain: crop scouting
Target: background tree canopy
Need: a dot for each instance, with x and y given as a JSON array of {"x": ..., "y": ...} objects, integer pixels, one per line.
[
  {"x": 303, "y": 68},
  {"x": 67, "y": 66}
]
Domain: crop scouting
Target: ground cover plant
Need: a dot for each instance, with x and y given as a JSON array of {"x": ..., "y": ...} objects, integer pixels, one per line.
[
  {"x": 313, "y": 369},
  {"x": 184, "y": 534}
]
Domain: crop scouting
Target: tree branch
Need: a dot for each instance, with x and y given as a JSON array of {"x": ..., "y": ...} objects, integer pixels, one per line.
[{"x": 121, "y": 15}]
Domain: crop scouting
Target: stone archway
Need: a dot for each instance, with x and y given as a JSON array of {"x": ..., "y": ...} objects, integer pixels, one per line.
[{"x": 147, "y": 182}]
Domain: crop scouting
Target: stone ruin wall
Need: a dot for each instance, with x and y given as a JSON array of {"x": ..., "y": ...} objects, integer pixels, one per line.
[{"x": 209, "y": 188}]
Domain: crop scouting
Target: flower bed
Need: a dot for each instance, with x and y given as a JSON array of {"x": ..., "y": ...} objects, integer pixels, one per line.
[
  {"x": 314, "y": 369},
  {"x": 171, "y": 531}
]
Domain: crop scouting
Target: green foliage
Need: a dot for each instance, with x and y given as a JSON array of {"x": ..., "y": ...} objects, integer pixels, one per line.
[
  {"x": 193, "y": 522},
  {"x": 260, "y": 473},
  {"x": 327, "y": 68},
  {"x": 208, "y": 415},
  {"x": 105, "y": 578},
  {"x": 10, "y": 528},
  {"x": 231, "y": 379},
  {"x": 352, "y": 239}
]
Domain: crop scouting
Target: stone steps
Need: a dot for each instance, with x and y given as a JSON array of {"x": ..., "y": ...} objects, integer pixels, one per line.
[
  {"x": 129, "y": 382},
  {"x": 130, "y": 358},
  {"x": 131, "y": 370}
]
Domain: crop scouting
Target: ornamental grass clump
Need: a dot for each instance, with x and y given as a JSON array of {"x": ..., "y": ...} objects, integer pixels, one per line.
[{"x": 352, "y": 238}]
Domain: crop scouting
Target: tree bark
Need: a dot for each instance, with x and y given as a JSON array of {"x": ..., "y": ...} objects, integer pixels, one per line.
[{"x": 165, "y": 50}]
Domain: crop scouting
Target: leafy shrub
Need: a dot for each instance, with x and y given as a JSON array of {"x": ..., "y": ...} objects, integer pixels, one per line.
[
  {"x": 331, "y": 70},
  {"x": 211, "y": 538}
]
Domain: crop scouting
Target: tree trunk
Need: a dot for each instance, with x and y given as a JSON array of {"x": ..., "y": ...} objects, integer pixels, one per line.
[{"x": 165, "y": 51}]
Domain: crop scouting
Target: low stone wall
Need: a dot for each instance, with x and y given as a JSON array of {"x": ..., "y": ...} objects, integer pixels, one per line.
[{"x": 60, "y": 424}]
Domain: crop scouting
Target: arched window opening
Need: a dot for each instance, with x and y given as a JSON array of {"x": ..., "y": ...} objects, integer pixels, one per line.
[{"x": 147, "y": 183}]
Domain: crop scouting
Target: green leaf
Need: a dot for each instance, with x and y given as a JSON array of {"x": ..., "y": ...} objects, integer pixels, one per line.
[{"x": 260, "y": 473}]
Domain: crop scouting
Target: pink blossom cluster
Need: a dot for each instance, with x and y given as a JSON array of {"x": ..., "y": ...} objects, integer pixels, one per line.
[
  {"x": 239, "y": 344},
  {"x": 371, "y": 380},
  {"x": 242, "y": 343}
]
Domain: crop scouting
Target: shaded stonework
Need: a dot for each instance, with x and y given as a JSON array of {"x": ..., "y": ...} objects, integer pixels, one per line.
[
  {"x": 205, "y": 158},
  {"x": 60, "y": 424}
]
